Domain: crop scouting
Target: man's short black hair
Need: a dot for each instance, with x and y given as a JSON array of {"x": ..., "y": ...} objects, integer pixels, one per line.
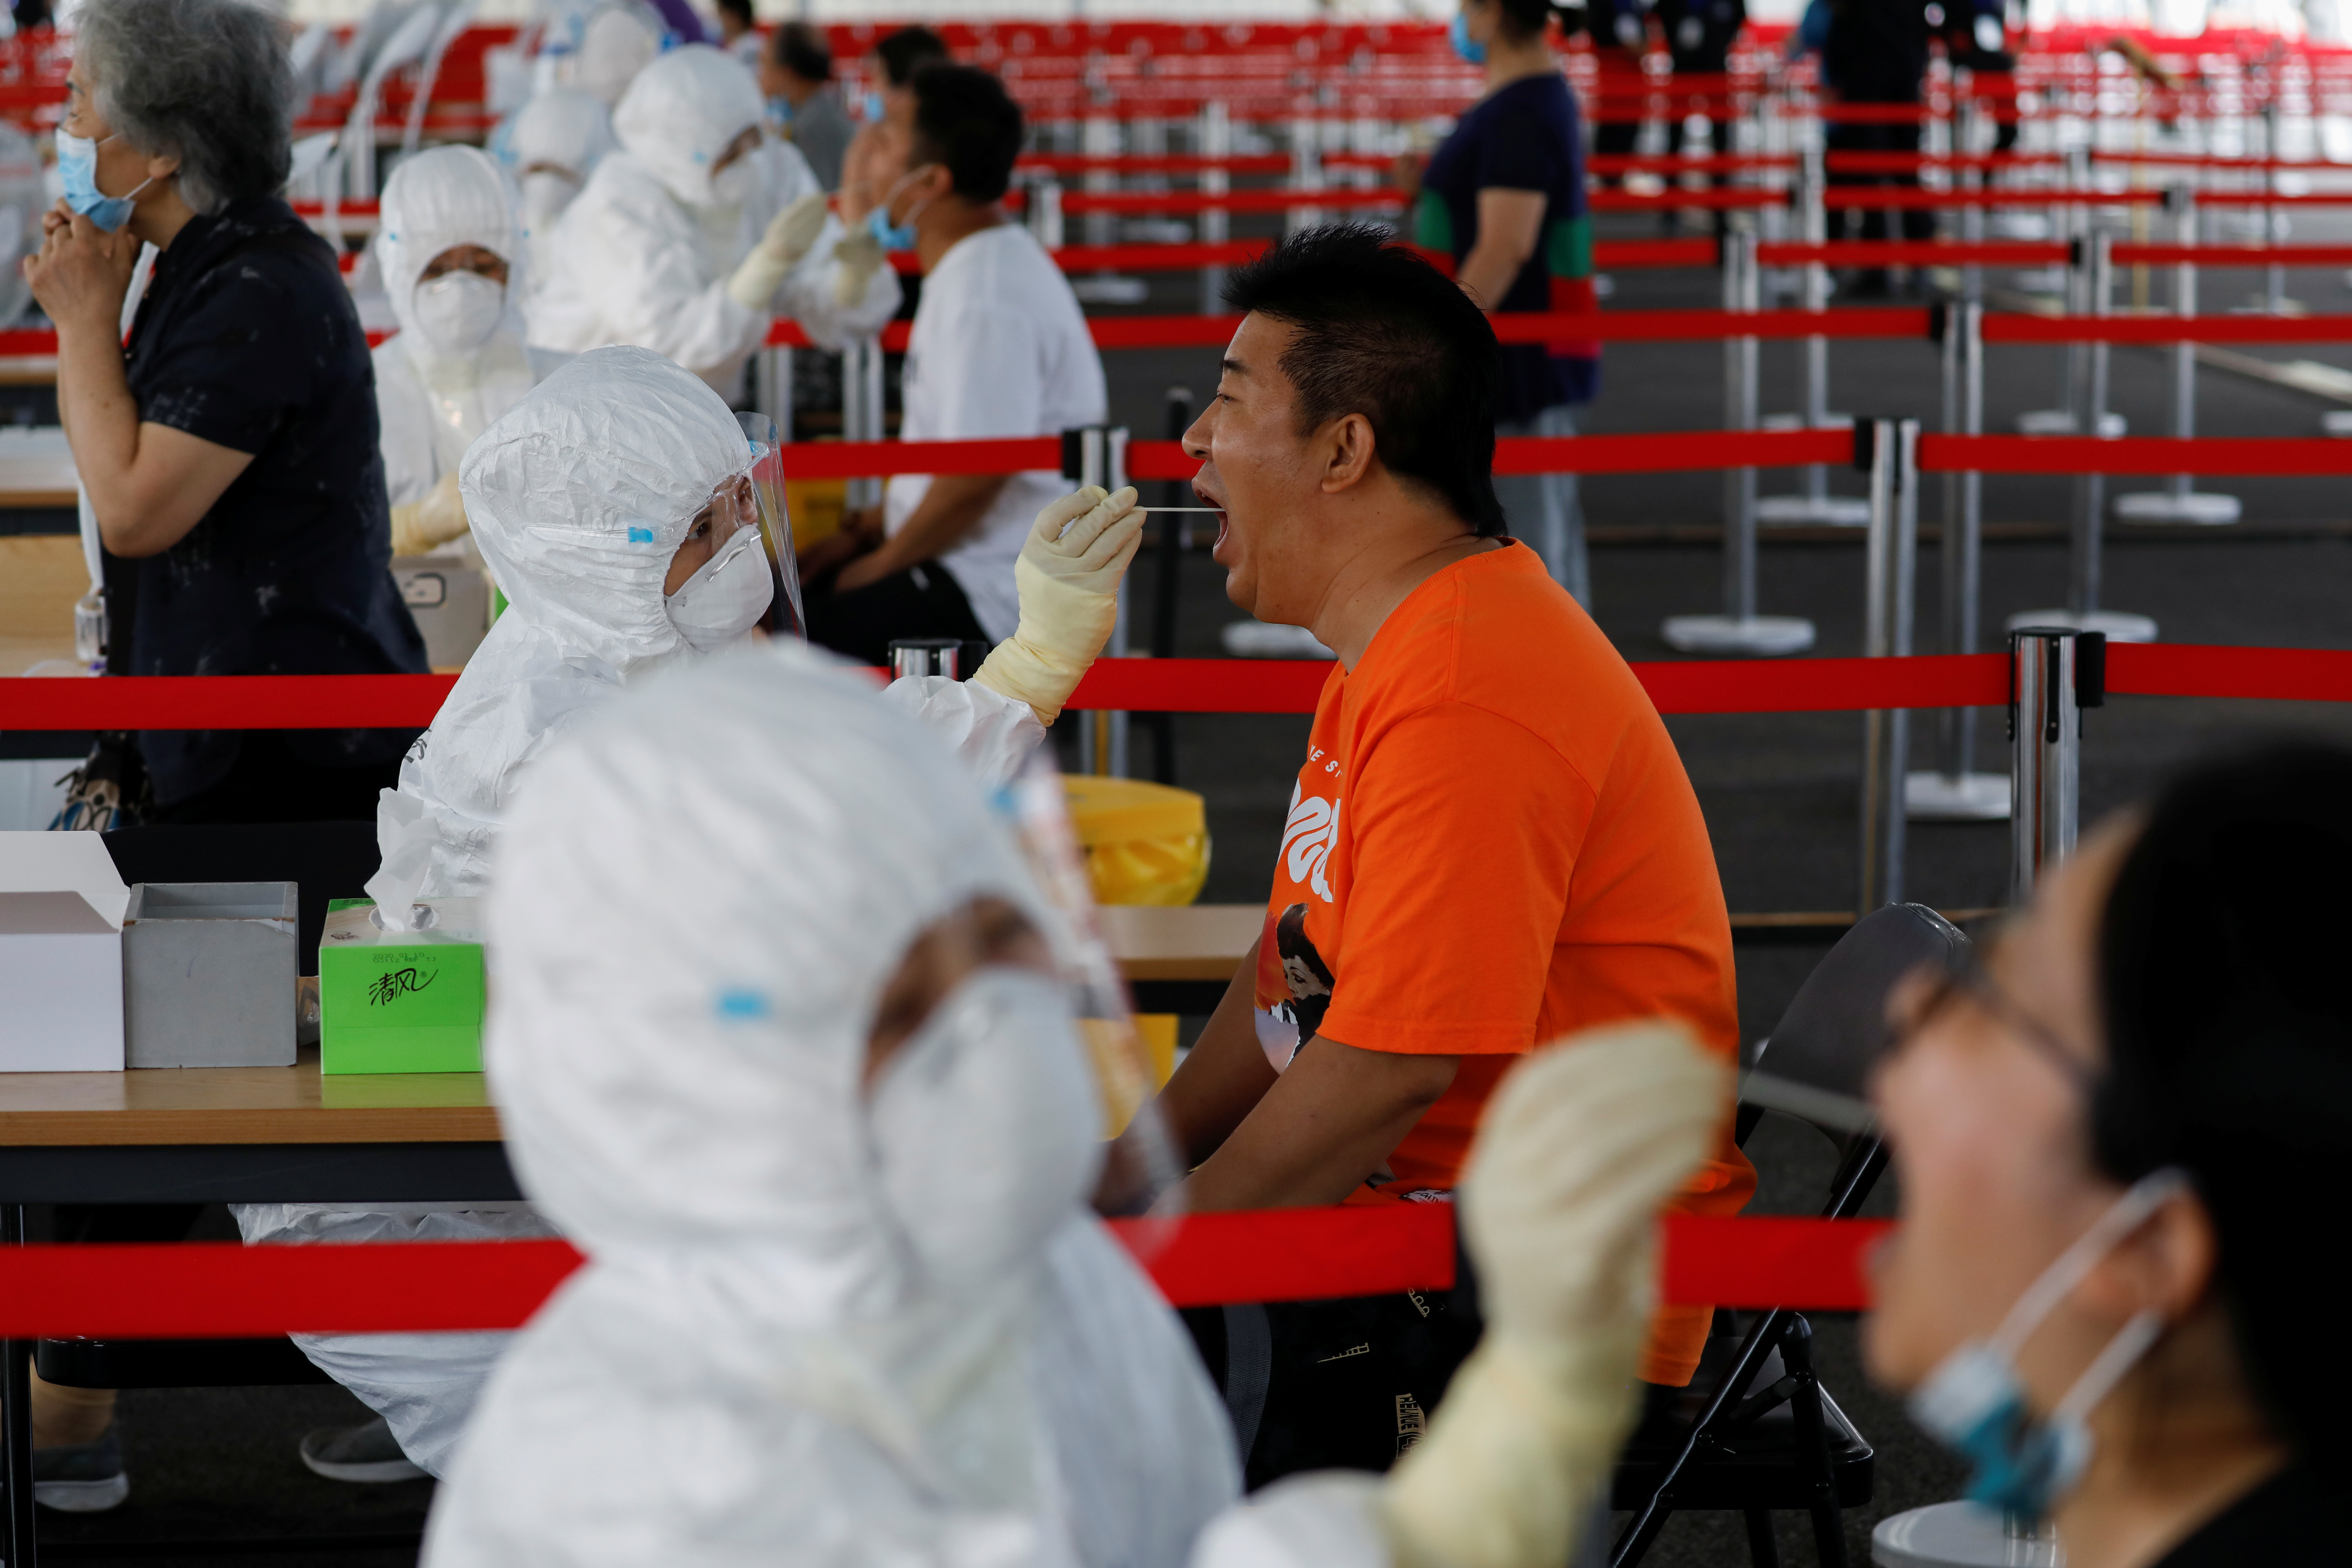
[
  {"x": 1383, "y": 334},
  {"x": 802, "y": 50},
  {"x": 738, "y": 9},
  {"x": 965, "y": 120},
  {"x": 909, "y": 50}
]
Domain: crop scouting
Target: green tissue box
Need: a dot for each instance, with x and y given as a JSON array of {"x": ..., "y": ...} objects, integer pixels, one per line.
[{"x": 401, "y": 1001}]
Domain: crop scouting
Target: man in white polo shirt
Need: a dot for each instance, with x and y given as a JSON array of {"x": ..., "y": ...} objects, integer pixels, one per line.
[{"x": 998, "y": 349}]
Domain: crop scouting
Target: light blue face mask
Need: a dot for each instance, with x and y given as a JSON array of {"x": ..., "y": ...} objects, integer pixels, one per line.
[
  {"x": 779, "y": 112},
  {"x": 873, "y": 107},
  {"x": 895, "y": 236},
  {"x": 1469, "y": 49},
  {"x": 1974, "y": 1402},
  {"x": 78, "y": 168}
]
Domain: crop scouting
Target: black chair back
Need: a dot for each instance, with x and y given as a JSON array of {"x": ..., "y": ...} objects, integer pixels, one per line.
[
  {"x": 1835, "y": 1029},
  {"x": 324, "y": 860}
]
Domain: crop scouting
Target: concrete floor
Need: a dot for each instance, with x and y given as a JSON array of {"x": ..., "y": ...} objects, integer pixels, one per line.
[{"x": 1780, "y": 792}]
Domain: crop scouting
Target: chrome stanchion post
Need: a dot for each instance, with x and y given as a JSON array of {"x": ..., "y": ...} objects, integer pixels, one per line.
[
  {"x": 861, "y": 411},
  {"x": 1890, "y": 558},
  {"x": 1216, "y": 141},
  {"x": 2055, "y": 673},
  {"x": 774, "y": 394},
  {"x": 2180, "y": 501},
  {"x": 1814, "y": 504},
  {"x": 1115, "y": 478},
  {"x": 1950, "y": 791},
  {"x": 1739, "y": 629}
]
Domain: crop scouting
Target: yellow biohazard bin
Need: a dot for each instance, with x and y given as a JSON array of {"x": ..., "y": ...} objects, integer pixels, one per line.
[{"x": 1144, "y": 843}]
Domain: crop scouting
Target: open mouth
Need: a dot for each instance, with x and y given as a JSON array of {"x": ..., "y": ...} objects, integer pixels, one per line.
[{"x": 1224, "y": 523}]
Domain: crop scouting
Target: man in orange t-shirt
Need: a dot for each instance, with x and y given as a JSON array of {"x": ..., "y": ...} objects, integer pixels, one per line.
[{"x": 1491, "y": 842}]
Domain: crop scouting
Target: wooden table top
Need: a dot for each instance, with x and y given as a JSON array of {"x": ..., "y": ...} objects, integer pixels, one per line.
[{"x": 300, "y": 1105}]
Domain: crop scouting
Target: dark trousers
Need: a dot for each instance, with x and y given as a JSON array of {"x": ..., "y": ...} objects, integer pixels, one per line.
[
  {"x": 923, "y": 601},
  {"x": 1843, "y": 209},
  {"x": 269, "y": 784}
]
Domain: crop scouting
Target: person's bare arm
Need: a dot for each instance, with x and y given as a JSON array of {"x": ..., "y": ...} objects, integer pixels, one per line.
[
  {"x": 1328, "y": 1123},
  {"x": 149, "y": 484},
  {"x": 953, "y": 505},
  {"x": 1224, "y": 1074},
  {"x": 1511, "y": 223}
]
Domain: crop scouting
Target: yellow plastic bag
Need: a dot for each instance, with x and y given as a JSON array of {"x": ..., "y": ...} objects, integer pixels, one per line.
[{"x": 1144, "y": 843}]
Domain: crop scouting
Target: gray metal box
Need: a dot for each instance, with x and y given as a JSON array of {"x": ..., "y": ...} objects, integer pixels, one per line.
[
  {"x": 208, "y": 975},
  {"x": 450, "y": 601}
]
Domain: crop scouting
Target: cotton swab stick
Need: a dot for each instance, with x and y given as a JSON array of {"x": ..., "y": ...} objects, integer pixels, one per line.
[{"x": 1176, "y": 509}]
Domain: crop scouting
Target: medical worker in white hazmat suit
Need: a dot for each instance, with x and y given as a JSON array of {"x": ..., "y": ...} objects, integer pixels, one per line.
[
  {"x": 700, "y": 230},
  {"x": 451, "y": 257},
  {"x": 827, "y": 1138},
  {"x": 552, "y": 145},
  {"x": 594, "y": 501}
]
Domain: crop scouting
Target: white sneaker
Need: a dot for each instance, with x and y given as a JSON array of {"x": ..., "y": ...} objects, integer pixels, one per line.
[
  {"x": 87, "y": 1478},
  {"x": 367, "y": 1455}
]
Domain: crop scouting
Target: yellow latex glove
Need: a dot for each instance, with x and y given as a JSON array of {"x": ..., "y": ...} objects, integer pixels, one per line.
[
  {"x": 439, "y": 518},
  {"x": 790, "y": 235},
  {"x": 1068, "y": 576},
  {"x": 855, "y": 260},
  {"x": 1578, "y": 1149}
]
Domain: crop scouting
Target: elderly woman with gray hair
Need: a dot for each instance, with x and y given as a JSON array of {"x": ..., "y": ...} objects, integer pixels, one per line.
[{"x": 227, "y": 446}]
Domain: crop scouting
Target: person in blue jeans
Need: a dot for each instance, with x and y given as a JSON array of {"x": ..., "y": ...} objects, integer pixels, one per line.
[{"x": 1504, "y": 195}]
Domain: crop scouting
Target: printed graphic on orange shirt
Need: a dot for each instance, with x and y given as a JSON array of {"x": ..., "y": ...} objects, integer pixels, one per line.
[{"x": 1309, "y": 836}]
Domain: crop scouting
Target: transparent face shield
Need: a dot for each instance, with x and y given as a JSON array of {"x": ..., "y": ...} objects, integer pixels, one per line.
[
  {"x": 755, "y": 499},
  {"x": 1143, "y": 1162}
]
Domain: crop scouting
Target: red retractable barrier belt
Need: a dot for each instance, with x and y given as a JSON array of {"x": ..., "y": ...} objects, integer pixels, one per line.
[
  {"x": 2255, "y": 454},
  {"x": 1229, "y": 686},
  {"x": 2231, "y": 255},
  {"x": 862, "y": 459},
  {"x": 2022, "y": 329},
  {"x": 1915, "y": 253},
  {"x": 221, "y": 1290}
]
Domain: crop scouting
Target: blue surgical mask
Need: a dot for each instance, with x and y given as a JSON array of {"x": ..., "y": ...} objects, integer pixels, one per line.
[
  {"x": 895, "y": 236},
  {"x": 873, "y": 107},
  {"x": 78, "y": 167},
  {"x": 1974, "y": 1402},
  {"x": 1468, "y": 48},
  {"x": 779, "y": 112}
]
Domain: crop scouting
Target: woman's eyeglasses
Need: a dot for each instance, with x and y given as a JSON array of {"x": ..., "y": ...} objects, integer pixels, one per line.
[{"x": 1960, "y": 972}]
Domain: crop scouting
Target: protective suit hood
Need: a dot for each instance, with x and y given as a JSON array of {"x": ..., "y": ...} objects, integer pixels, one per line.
[
  {"x": 617, "y": 44},
  {"x": 714, "y": 1097},
  {"x": 582, "y": 492},
  {"x": 680, "y": 115},
  {"x": 436, "y": 200},
  {"x": 701, "y": 893}
]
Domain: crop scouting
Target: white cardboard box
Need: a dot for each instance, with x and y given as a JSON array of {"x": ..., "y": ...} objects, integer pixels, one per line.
[
  {"x": 64, "y": 863},
  {"x": 60, "y": 983}
]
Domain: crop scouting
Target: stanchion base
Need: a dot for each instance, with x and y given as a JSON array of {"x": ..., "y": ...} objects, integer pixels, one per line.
[
  {"x": 2337, "y": 422},
  {"x": 1818, "y": 511},
  {"x": 2196, "y": 508},
  {"x": 1726, "y": 635},
  {"x": 1257, "y": 640},
  {"x": 1108, "y": 289},
  {"x": 2062, "y": 422},
  {"x": 1942, "y": 798},
  {"x": 2120, "y": 625},
  {"x": 1954, "y": 1535}
]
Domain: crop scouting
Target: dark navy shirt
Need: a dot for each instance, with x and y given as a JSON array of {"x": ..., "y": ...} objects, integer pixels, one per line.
[
  {"x": 1525, "y": 137},
  {"x": 246, "y": 337}
]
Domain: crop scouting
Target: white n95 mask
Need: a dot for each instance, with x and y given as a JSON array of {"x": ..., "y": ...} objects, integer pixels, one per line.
[
  {"x": 457, "y": 311},
  {"x": 987, "y": 1126},
  {"x": 726, "y": 596},
  {"x": 545, "y": 193},
  {"x": 731, "y": 186}
]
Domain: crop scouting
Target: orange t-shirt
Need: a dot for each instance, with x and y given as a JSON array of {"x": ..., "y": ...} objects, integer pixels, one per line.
[{"x": 1493, "y": 844}]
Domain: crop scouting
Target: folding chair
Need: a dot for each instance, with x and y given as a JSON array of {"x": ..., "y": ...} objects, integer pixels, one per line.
[{"x": 1768, "y": 1436}]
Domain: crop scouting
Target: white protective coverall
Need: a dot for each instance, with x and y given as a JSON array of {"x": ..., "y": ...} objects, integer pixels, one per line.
[
  {"x": 647, "y": 253},
  {"x": 438, "y": 385},
  {"x": 616, "y": 42},
  {"x": 835, "y": 1322},
  {"x": 578, "y": 497},
  {"x": 819, "y": 1323},
  {"x": 553, "y": 145}
]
